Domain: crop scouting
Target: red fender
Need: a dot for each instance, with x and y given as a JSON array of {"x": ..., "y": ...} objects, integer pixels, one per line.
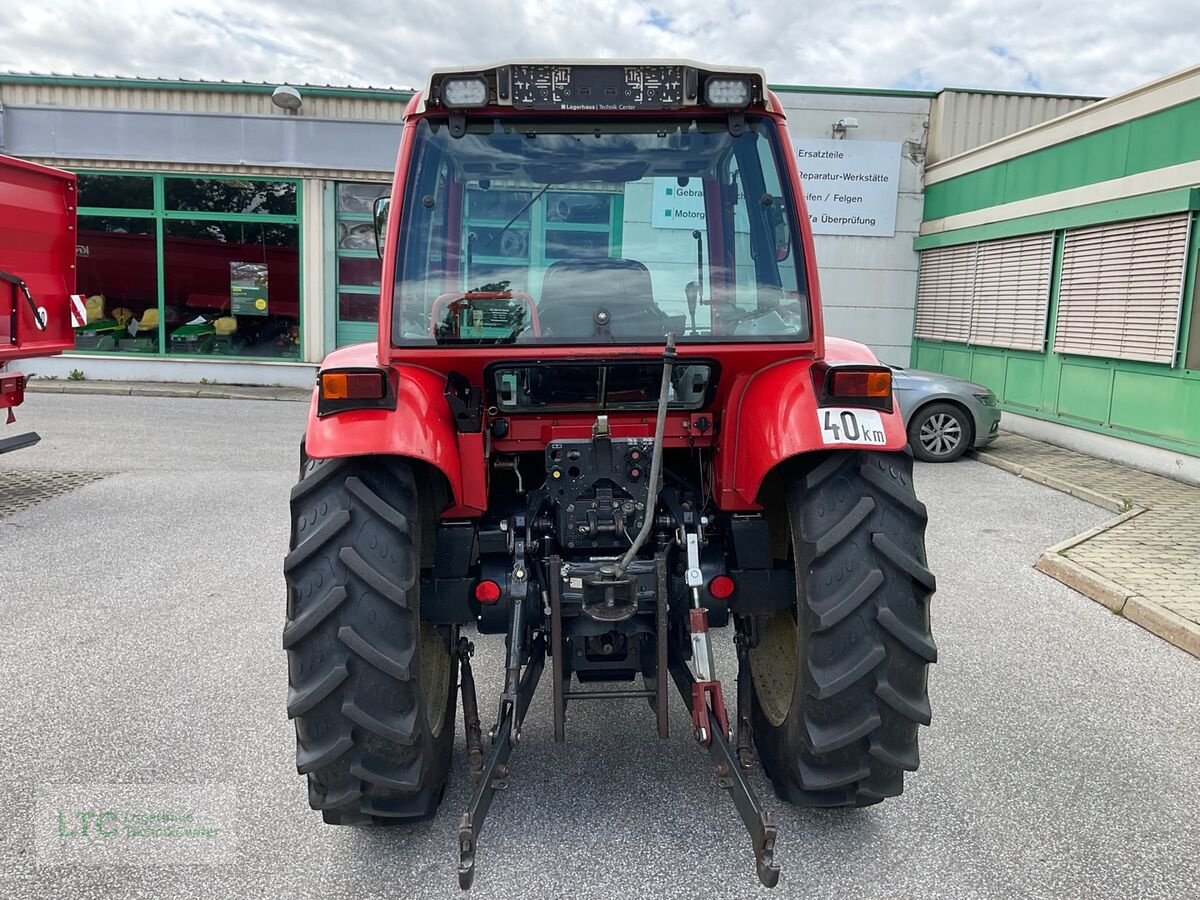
[
  {"x": 775, "y": 416},
  {"x": 420, "y": 427}
]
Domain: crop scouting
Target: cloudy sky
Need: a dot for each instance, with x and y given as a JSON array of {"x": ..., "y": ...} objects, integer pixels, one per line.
[{"x": 1047, "y": 45}]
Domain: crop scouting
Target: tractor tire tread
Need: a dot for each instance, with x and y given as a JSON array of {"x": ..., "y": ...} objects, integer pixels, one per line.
[
  {"x": 863, "y": 638},
  {"x": 354, "y": 642}
]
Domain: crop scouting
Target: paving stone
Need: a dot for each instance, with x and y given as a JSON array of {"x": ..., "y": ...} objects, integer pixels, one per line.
[{"x": 1152, "y": 557}]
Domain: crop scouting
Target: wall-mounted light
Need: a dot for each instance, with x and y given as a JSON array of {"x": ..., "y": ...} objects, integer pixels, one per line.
[
  {"x": 287, "y": 98},
  {"x": 841, "y": 125}
]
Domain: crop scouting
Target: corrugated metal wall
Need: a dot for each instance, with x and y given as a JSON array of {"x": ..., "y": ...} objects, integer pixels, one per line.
[
  {"x": 211, "y": 168},
  {"x": 205, "y": 101},
  {"x": 963, "y": 120}
]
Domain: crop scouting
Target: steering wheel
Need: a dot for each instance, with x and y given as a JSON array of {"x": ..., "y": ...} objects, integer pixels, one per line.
[{"x": 446, "y": 301}]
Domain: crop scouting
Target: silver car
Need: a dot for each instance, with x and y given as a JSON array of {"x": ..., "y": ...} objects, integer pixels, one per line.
[{"x": 945, "y": 416}]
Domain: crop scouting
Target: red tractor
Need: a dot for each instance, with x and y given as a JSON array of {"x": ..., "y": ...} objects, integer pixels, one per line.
[
  {"x": 37, "y": 275},
  {"x": 602, "y": 418}
]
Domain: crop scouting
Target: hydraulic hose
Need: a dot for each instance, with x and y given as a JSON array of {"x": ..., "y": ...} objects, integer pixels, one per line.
[{"x": 660, "y": 425}]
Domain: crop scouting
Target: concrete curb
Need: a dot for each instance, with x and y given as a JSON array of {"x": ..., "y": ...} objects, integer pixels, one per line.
[
  {"x": 148, "y": 389},
  {"x": 1082, "y": 579},
  {"x": 1070, "y": 542},
  {"x": 1156, "y": 619},
  {"x": 1167, "y": 625},
  {"x": 1087, "y": 495}
]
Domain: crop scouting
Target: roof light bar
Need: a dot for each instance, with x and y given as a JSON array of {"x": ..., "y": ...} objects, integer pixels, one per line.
[{"x": 598, "y": 86}]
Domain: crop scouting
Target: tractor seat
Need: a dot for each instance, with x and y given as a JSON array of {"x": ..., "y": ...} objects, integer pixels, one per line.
[{"x": 599, "y": 297}]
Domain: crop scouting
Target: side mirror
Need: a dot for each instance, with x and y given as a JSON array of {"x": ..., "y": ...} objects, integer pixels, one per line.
[
  {"x": 779, "y": 230},
  {"x": 380, "y": 211}
]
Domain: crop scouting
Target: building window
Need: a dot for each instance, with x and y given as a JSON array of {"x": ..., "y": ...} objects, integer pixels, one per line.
[
  {"x": 117, "y": 191},
  {"x": 1121, "y": 289},
  {"x": 117, "y": 265},
  {"x": 231, "y": 196},
  {"x": 993, "y": 293},
  {"x": 358, "y": 266},
  {"x": 193, "y": 266},
  {"x": 232, "y": 287}
]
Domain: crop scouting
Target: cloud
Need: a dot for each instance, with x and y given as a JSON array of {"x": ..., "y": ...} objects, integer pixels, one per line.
[{"x": 1014, "y": 45}]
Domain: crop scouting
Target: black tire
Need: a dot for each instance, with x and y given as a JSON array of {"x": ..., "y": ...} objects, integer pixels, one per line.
[
  {"x": 940, "y": 432},
  {"x": 371, "y": 686},
  {"x": 840, "y": 688}
]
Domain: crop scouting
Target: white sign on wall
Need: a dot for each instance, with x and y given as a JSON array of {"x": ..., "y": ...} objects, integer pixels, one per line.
[
  {"x": 850, "y": 186},
  {"x": 675, "y": 206}
]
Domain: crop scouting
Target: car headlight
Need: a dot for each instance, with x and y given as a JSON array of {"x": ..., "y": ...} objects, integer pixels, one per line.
[{"x": 987, "y": 398}]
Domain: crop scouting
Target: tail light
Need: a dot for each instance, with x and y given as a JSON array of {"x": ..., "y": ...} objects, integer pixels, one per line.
[
  {"x": 722, "y": 587},
  {"x": 339, "y": 390},
  {"x": 487, "y": 592},
  {"x": 12, "y": 389},
  {"x": 865, "y": 386}
]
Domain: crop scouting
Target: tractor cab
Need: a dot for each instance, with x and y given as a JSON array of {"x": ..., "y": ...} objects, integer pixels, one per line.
[{"x": 534, "y": 221}]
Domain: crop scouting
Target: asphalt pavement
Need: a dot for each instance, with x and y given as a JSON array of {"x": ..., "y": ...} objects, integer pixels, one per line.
[{"x": 141, "y": 668}]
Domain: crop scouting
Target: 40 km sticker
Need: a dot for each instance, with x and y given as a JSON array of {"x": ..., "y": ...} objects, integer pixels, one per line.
[{"x": 851, "y": 426}]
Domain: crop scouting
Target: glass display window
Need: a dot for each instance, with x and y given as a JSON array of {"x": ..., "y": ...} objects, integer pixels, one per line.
[{"x": 190, "y": 265}]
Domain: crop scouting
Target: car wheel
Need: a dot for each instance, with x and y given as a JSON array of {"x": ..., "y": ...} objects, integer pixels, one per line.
[{"x": 939, "y": 432}]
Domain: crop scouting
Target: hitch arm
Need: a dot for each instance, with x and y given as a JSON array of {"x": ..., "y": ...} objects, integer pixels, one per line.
[
  {"x": 731, "y": 778},
  {"x": 495, "y": 766}
]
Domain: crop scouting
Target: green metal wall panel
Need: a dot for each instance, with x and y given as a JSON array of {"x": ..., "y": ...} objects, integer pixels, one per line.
[
  {"x": 1142, "y": 402},
  {"x": 1140, "y": 207},
  {"x": 957, "y": 362},
  {"x": 1084, "y": 392},
  {"x": 928, "y": 358},
  {"x": 1023, "y": 378},
  {"x": 1165, "y": 138},
  {"x": 1156, "y": 144},
  {"x": 1078, "y": 162},
  {"x": 988, "y": 369},
  {"x": 355, "y": 332},
  {"x": 1156, "y": 404}
]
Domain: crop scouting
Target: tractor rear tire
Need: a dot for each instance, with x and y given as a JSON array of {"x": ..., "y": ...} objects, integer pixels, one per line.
[
  {"x": 839, "y": 684},
  {"x": 371, "y": 685}
]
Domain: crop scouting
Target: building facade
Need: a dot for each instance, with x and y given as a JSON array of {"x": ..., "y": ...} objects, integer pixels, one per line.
[
  {"x": 1058, "y": 267},
  {"x": 224, "y": 237}
]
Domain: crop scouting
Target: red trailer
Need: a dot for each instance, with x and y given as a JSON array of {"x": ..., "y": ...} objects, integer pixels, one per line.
[{"x": 37, "y": 275}]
